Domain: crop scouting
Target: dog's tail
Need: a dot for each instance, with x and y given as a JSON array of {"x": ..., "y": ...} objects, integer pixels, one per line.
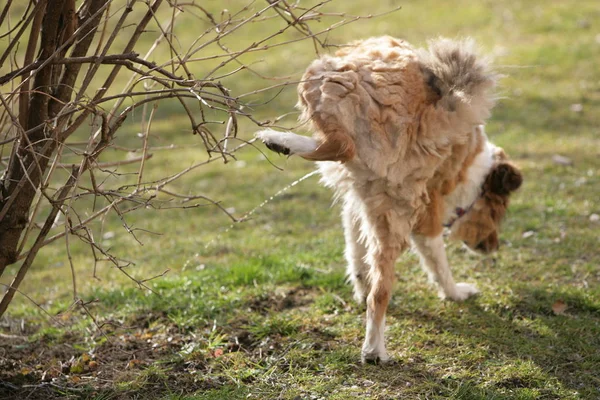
[{"x": 461, "y": 78}]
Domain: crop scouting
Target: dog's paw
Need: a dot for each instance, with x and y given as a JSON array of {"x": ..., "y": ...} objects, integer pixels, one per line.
[
  {"x": 270, "y": 139},
  {"x": 374, "y": 357},
  {"x": 286, "y": 142},
  {"x": 277, "y": 148},
  {"x": 462, "y": 291}
]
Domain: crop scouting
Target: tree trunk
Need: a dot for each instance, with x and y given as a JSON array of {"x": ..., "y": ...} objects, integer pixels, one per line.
[{"x": 29, "y": 162}]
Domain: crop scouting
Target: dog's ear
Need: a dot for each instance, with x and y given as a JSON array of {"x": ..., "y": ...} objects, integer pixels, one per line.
[{"x": 504, "y": 178}]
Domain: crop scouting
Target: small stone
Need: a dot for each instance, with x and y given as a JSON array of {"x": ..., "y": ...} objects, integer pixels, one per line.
[
  {"x": 583, "y": 23},
  {"x": 561, "y": 160},
  {"x": 594, "y": 218},
  {"x": 108, "y": 235},
  {"x": 577, "y": 107},
  {"x": 528, "y": 234}
]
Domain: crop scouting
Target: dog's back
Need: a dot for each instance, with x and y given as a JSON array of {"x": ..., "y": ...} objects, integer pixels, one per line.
[{"x": 395, "y": 112}]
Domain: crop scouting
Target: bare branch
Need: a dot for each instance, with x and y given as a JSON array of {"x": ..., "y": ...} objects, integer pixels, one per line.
[{"x": 57, "y": 188}]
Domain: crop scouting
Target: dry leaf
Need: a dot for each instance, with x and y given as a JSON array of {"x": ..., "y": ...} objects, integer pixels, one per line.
[
  {"x": 559, "y": 307},
  {"x": 133, "y": 363},
  {"x": 65, "y": 316}
]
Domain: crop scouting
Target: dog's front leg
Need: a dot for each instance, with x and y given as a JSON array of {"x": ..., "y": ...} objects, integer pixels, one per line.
[{"x": 433, "y": 259}]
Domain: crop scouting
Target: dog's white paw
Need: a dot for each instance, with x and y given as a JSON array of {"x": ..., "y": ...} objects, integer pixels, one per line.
[
  {"x": 374, "y": 356},
  {"x": 462, "y": 291},
  {"x": 373, "y": 349},
  {"x": 287, "y": 142}
]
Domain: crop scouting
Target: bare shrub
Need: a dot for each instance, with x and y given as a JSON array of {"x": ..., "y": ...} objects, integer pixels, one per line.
[{"x": 63, "y": 103}]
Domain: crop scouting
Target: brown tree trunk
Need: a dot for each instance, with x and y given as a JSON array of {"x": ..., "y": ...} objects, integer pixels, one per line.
[
  {"x": 26, "y": 167},
  {"x": 29, "y": 162}
]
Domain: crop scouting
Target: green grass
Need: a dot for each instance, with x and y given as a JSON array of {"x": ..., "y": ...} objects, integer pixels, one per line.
[{"x": 261, "y": 310}]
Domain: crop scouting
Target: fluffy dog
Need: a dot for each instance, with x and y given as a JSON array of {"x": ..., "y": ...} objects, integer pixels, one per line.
[{"x": 398, "y": 133}]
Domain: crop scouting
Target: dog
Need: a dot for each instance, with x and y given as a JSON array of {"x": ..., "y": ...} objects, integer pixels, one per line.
[{"x": 399, "y": 136}]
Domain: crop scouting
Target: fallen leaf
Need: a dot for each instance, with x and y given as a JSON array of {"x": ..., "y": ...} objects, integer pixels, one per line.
[
  {"x": 133, "y": 363},
  {"x": 65, "y": 316},
  {"x": 559, "y": 307}
]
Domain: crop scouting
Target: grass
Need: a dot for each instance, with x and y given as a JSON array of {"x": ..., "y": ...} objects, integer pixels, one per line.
[{"x": 261, "y": 310}]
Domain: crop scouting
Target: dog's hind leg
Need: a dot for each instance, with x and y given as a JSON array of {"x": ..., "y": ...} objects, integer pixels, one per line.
[
  {"x": 355, "y": 252},
  {"x": 435, "y": 262},
  {"x": 384, "y": 248},
  {"x": 287, "y": 143}
]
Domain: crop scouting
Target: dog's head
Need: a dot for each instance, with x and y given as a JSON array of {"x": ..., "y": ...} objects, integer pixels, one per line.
[{"x": 479, "y": 227}]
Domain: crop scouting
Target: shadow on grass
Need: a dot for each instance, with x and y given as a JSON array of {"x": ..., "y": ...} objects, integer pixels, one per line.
[{"x": 541, "y": 345}]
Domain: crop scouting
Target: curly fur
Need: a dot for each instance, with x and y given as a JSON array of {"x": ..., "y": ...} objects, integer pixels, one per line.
[{"x": 399, "y": 136}]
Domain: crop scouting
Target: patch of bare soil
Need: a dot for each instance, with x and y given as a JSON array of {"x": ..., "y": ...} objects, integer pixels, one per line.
[
  {"x": 282, "y": 300},
  {"x": 60, "y": 369},
  {"x": 144, "y": 360}
]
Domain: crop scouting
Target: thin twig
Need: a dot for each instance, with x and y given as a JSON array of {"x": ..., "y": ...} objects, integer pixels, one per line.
[{"x": 69, "y": 102}]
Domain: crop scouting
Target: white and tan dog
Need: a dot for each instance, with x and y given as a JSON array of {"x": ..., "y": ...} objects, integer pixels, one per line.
[{"x": 398, "y": 133}]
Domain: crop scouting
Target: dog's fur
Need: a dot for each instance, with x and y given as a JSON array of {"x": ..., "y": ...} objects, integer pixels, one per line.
[{"x": 399, "y": 137}]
